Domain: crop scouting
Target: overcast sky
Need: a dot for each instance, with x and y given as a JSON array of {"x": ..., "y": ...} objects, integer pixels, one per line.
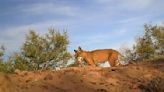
[{"x": 91, "y": 24}]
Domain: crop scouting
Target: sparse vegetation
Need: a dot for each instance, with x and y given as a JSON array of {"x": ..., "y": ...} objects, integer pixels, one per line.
[
  {"x": 149, "y": 46},
  {"x": 50, "y": 50},
  {"x": 6, "y": 67},
  {"x": 42, "y": 52},
  {"x": 155, "y": 85},
  {"x": 2, "y": 51},
  {"x": 39, "y": 52},
  {"x": 45, "y": 52}
]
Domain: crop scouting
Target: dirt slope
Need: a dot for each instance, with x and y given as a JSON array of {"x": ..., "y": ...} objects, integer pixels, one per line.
[{"x": 129, "y": 78}]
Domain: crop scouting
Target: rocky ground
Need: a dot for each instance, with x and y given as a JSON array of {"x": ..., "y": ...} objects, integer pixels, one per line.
[{"x": 143, "y": 77}]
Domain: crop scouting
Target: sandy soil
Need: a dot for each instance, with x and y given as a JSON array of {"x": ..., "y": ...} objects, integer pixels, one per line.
[{"x": 129, "y": 78}]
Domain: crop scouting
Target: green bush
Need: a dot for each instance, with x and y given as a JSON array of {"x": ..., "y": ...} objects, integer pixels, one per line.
[
  {"x": 38, "y": 52},
  {"x": 6, "y": 67},
  {"x": 43, "y": 52},
  {"x": 149, "y": 46}
]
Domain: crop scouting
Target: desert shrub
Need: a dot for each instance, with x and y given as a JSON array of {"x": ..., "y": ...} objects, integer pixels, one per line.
[
  {"x": 6, "y": 67},
  {"x": 149, "y": 46},
  {"x": 2, "y": 51},
  {"x": 155, "y": 85},
  {"x": 128, "y": 54},
  {"x": 73, "y": 65},
  {"x": 19, "y": 62},
  {"x": 43, "y": 52}
]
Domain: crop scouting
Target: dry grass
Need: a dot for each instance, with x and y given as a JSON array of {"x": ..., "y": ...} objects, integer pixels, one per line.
[{"x": 155, "y": 85}]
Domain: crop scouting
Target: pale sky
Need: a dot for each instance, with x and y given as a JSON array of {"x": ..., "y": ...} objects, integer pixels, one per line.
[{"x": 91, "y": 24}]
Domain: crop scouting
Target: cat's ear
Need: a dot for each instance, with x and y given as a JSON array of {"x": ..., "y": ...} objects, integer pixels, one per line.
[{"x": 80, "y": 49}]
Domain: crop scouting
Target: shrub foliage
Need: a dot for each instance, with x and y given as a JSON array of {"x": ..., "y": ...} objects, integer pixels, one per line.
[{"x": 39, "y": 52}]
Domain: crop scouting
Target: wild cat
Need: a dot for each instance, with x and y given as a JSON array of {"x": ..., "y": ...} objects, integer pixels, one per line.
[{"x": 97, "y": 56}]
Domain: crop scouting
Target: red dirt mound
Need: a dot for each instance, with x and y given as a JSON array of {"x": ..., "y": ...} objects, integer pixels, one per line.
[{"x": 129, "y": 78}]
